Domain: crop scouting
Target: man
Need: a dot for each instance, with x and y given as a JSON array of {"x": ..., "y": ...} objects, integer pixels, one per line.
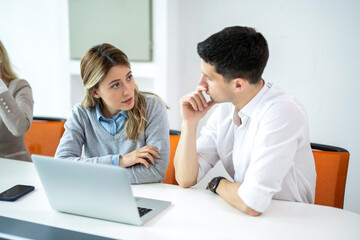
[{"x": 258, "y": 131}]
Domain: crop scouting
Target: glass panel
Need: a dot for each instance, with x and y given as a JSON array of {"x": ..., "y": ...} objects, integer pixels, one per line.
[{"x": 125, "y": 24}]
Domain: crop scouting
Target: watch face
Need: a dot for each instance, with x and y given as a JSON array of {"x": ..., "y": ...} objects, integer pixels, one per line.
[{"x": 214, "y": 183}]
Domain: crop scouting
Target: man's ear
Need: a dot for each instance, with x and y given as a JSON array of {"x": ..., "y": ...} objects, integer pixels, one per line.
[{"x": 240, "y": 84}]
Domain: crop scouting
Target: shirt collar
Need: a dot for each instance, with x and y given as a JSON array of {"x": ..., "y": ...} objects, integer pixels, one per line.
[
  {"x": 99, "y": 115},
  {"x": 247, "y": 110}
]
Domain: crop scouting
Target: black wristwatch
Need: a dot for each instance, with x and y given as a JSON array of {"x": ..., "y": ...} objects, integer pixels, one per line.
[{"x": 213, "y": 184}]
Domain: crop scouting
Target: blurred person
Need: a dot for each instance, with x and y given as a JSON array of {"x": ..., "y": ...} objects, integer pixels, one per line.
[{"x": 16, "y": 111}]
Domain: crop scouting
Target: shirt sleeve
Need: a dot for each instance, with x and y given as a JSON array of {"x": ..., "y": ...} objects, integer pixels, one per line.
[
  {"x": 115, "y": 160},
  {"x": 279, "y": 134},
  {"x": 206, "y": 145},
  {"x": 156, "y": 135}
]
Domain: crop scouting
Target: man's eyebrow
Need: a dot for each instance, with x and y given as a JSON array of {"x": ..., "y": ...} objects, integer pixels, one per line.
[
  {"x": 128, "y": 73},
  {"x": 205, "y": 75}
]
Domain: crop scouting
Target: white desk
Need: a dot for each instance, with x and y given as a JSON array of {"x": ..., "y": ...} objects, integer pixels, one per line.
[{"x": 194, "y": 214}]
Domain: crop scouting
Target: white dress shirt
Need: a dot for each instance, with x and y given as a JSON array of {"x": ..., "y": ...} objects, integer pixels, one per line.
[
  {"x": 3, "y": 86},
  {"x": 265, "y": 146}
]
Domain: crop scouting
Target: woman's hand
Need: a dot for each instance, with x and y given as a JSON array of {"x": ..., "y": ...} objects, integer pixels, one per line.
[{"x": 139, "y": 156}]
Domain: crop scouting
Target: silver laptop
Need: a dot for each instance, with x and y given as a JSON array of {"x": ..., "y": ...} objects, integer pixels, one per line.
[{"x": 94, "y": 190}]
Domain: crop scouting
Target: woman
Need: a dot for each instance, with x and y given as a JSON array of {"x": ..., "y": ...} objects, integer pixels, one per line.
[
  {"x": 116, "y": 123},
  {"x": 16, "y": 111}
]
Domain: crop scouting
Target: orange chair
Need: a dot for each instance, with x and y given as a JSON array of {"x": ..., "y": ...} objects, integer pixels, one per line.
[
  {"x": 170, "y": 172},
  {"x": 331, "y": 168},
  {"x": 44, "y": 135}
]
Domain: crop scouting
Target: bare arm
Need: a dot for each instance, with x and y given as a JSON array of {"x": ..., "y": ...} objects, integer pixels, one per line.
[
  {"x": 193, "y": 107},
  {"x": 229, "y": 192},
  {"x": 185, "y": 160}
]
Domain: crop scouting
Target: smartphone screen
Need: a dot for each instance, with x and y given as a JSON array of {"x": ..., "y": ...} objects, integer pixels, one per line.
[{"x": 15, "y": 192}]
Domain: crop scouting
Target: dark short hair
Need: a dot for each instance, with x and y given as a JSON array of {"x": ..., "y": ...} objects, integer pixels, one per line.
[{"x": 236, "y": 52}]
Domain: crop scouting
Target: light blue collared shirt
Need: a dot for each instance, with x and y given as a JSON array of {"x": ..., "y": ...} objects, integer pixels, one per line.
[{"x": 112, "y": 126}]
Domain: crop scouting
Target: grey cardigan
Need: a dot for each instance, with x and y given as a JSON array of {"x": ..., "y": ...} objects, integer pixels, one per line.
[
  {"x": 82, "y": 129},
  {"x": 16, "y": 113}
]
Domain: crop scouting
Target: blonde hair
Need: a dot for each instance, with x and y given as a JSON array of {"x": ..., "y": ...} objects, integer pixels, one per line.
[
  {"x": 6, "y": 70},
  {"x": 94, "y": 66}
]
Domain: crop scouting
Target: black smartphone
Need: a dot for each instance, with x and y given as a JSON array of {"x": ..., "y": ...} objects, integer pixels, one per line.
[{"x": 15, "y": 192}]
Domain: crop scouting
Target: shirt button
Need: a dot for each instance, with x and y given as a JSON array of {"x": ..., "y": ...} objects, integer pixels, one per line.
[
  {"x": 1, "y": 99},
  {"x": 6, "y": 107},
  {"x": 9, "y": 110},
  {"x": 4, "y": 103}
]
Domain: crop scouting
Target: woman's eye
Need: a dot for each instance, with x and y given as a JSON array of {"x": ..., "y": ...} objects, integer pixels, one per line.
[
  {"x": 116, "y": 85},
  {"x": 129, "y": 77}
]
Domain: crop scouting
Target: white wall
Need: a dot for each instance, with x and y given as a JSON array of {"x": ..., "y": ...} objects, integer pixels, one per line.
[
  {"x": 314, "y": 49},
  {"x": 36, "y": 38}
]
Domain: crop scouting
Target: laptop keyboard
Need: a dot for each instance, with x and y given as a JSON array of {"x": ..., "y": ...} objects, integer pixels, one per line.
[{"x": 143, "y": 211}]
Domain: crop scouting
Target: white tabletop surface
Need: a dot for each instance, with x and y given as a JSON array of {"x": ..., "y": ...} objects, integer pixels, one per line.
[{"x": 193, "y": 214}]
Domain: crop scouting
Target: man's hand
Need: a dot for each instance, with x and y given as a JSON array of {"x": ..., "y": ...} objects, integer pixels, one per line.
[
  {"x": 139, "y": 156},
  {"x": 194, "y": 106}
]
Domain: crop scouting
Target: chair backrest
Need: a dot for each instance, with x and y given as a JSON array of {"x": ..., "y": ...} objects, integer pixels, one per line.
[
  {"x": 170, "y": 172},
  {"x": 44, "y": 135},
  {"x": 331, "y": 168}
]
